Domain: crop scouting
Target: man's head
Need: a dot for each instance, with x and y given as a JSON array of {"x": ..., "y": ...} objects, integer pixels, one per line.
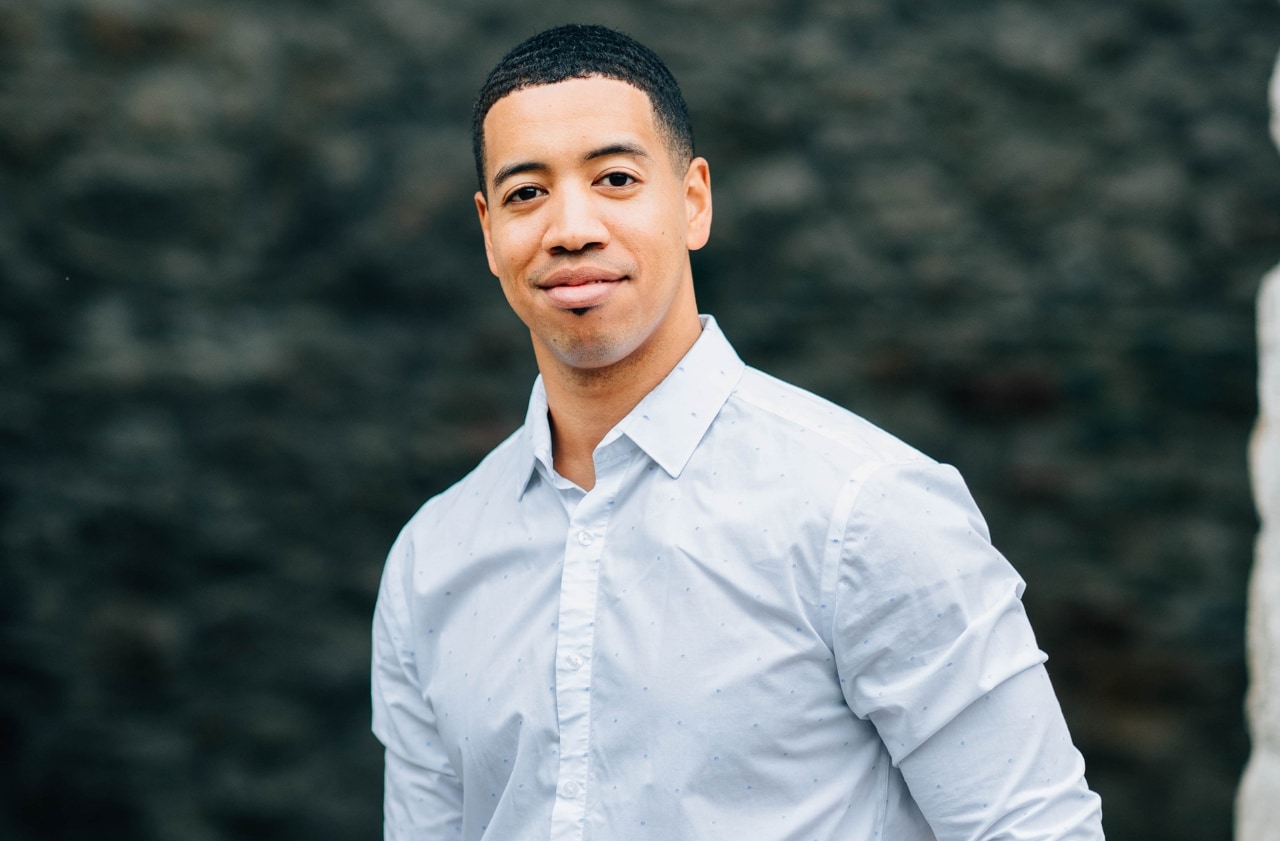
[
  {"x": 577, "y": 51},
  {"x": 590, "y": 204}
]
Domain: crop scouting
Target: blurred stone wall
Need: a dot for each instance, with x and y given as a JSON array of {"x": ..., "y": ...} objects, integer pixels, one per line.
[{"x": 246, "y": 328}]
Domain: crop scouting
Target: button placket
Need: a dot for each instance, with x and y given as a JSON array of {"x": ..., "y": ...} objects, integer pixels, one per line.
[{"x": 583, "y": 548}]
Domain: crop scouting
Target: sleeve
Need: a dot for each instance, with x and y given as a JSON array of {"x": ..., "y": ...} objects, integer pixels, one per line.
[
  {"x": 422, "y": 800},
  {"x": 935, "y": 650}
]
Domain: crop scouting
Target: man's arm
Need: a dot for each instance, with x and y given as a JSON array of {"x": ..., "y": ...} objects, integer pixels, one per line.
[
  {"x": 423, "y": 797},
  {"x": 1025, "y": 778},
  {"x": 935, "y": 649}
]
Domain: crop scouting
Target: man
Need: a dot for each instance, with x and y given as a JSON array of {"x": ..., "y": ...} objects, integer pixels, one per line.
[{"x": 686, "y": 600}]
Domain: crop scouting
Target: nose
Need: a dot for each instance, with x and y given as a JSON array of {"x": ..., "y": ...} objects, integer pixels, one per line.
[{"x": 576, "y": 223}]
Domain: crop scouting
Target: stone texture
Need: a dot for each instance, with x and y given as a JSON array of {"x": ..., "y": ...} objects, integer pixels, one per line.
[
  {"x": 1258, "y": 801},
  {"x": 246, "y": 327}
]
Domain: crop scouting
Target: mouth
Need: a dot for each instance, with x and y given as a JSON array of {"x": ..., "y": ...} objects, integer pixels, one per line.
[{"x": 580, "y": 289}]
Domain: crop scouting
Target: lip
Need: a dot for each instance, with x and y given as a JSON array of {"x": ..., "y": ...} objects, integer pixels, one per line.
[{"x": 580, "y": 287}]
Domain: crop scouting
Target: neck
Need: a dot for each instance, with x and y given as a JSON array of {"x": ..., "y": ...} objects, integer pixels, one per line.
[{"x": 585, "y": 403}]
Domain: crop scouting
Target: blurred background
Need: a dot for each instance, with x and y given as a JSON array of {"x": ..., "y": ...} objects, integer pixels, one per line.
[{"x": 246, "y": 329}]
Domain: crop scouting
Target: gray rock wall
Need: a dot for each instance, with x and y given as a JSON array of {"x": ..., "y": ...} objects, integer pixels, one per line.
[{"x": 246, "y": 328}]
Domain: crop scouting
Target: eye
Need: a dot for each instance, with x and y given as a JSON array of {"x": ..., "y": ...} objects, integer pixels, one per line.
[
  {"x": 618, "y": 179},
  {"x": 523, "y": 194}
]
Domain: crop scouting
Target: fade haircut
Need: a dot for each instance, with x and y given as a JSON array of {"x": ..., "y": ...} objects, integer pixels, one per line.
[{"x": 577, "y": 51}]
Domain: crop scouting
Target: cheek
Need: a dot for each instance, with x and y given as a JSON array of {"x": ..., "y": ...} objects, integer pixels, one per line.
[
  {"x": 657, "y": 232},
  {"x": 513, "y": 241}
]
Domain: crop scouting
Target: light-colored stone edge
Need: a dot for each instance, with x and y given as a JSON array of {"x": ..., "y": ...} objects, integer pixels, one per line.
[{"x": 1258, "y": 800}]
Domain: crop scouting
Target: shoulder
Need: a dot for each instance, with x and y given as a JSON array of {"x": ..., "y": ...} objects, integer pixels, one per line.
[
  {"x": 790, "y": 414},
  {"x": 495, "y": 477}
]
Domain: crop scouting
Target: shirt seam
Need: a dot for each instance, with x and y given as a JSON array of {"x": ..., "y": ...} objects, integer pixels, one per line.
[{"x": 842, "y": 511}]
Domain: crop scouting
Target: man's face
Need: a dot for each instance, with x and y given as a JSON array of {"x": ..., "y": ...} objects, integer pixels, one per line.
[{"x": 588, "y": 225}]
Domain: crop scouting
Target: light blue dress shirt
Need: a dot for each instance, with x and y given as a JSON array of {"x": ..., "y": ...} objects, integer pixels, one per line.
[{"x": 768, "y": 621}]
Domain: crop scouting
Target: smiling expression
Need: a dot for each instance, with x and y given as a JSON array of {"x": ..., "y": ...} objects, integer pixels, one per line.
[{"x": 588, "y": 223}]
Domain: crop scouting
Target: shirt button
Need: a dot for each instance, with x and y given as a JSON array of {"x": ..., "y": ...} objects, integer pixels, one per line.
[
  {"x": 572, "y": 789},
  {"x": 585, "y": 538},
  {"x": 574, "y": 662}
]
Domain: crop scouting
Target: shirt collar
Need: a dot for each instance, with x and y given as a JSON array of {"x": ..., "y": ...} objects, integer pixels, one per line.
[{"x": 668, "y": 423}]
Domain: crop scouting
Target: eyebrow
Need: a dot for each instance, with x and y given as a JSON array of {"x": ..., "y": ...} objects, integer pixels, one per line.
[
  {"x": 630, "y": 150},
  {"x": 627, "y": 149}
]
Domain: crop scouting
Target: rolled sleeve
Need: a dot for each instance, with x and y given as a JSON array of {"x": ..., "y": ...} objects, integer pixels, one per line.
[{"x": 934, "y": 648}]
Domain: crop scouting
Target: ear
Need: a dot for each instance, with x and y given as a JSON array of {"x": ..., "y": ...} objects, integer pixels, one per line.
[
  {"x": 482, "y": 209},
  {"x": 697, "y": 202}
]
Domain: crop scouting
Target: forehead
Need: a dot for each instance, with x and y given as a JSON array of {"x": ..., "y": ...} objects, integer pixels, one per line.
[{"x": 562, "y": 116}]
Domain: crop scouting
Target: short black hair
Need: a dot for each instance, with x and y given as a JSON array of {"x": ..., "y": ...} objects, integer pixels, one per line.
[{"x": 579, "y": 51}]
